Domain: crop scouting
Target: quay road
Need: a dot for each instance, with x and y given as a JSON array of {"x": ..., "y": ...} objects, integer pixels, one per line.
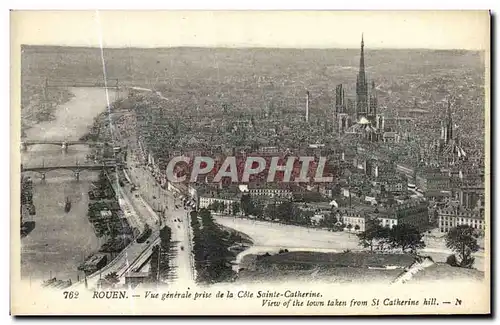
[
  {"x": 135, "y": 254},
  {"x": 139, "y": 212},
  {"x": 129, "y": 257},
  {"x": 176, "y": 218},
  {"x": 124, "y": 262}
]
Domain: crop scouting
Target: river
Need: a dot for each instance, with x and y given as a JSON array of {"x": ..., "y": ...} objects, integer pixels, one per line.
[{"x": 60, "y": 241}]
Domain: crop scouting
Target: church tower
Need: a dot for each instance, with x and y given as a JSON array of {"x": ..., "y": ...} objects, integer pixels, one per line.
[
  {"x": 372, "y": 110},
  {"x": 341, "y": 116},
  {"x": 361, "y": 86},
  {"x": 447, "y": 126},
  {"x": 340, "y": 102}
]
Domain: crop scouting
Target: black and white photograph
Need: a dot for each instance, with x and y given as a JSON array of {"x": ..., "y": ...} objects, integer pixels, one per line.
[{"x": 251, "y": 162}]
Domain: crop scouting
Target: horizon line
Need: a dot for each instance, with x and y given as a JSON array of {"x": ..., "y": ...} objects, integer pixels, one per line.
[{"x": 246, "y": 47}]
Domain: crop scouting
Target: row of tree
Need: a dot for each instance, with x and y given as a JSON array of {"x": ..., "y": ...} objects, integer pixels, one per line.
[
  {"x": 289, "y": 213},
  {"x": 402, "y": 236},
  {"x": 160, "y": 257},
  {"x": 461, "y": 239},
  {"x": 210, "y": 249},
  {"x": 218, "y": 206},
  {"x": 286, "y": 212}
]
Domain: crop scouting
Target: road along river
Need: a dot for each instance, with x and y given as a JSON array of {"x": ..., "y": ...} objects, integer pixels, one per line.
[{"x": 60, "y": 241}]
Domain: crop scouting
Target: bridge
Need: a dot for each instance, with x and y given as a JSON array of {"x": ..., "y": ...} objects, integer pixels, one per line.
[
  {"x": 61, "y": 143},
  {"x": 76, "y": 169}
]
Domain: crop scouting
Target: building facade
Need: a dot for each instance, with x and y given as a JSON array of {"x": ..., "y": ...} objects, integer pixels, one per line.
[
  {"x": 270, "y": 190},
  {"x": 205, "y": 202},
  {"x": 414, "y": 213},
  {"x": 432, "y": 182},
  {"x": 357, "y": 220},
  {"x": 453, "y": 217}
]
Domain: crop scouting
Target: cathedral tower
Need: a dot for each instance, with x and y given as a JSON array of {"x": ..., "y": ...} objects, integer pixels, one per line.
[
  {"x": 447, "y": 126},
  {"x": 372, "y": 109},
  {"x": 361, "y": 86}
]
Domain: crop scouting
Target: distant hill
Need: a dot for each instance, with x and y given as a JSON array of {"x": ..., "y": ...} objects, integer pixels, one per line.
[
  {"x": 164, "y": 64},
  {"x": 259, "y": 78}
]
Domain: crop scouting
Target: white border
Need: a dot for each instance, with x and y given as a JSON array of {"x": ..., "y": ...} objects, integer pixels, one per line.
[{"x": 148, "y": 4}]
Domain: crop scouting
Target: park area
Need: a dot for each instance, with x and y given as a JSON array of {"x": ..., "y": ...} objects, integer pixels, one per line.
[{"x": 270, "y": 237}]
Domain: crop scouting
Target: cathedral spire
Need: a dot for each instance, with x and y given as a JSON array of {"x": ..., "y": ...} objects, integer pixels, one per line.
[
  {"x": 362, "y": 62},
  {"x": 361, "y": 85}
]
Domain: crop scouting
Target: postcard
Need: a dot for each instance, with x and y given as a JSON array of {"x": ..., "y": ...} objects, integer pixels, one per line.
[{"x": 250, "y": 162}]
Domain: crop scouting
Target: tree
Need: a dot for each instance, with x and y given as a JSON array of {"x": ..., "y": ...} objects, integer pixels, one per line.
[
  {"x": 329, "y": 221},
  {"x": 204, "y": 214},
  {"x": 290, "y": 213},
  {"x": 112, "y": 278},
  {"x": 154, "y": 263},
  {"x": 356, "y": 227},
  {"x": 405, "y": 237},
  {"x": 222, "y": 207},
  {"x": 211, "y": 206},
  {"x": 304, "y": 218},
  {"x": 165, "y": 236},
  {"x": 349, "y": 227},
  {"x": 270, "y": 211},
  {"x": 461, "y": 240},
  {"x": 246, "y": 204},
  {"x": 373, "y": 232},
  {"x": 452, "y": 260},
  {"x": 235, "y": 208},
  {"x": 257, "y": 209},
  {"x": 216, "y": 206},
  {"x": 383, "y": 234}
]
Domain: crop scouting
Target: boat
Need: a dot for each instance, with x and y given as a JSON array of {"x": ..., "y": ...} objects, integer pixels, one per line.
[
  {"x": 67, "y": 206},
  {"x": 49, "y": 282}
]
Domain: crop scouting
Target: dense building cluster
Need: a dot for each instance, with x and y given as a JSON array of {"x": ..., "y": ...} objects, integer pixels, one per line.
[{"x": 385, "y": 162}]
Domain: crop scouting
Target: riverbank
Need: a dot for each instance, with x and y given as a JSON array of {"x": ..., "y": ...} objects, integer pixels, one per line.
[
  {"x": 61, "y": 240},
  {"x": 106, "y": 216}
]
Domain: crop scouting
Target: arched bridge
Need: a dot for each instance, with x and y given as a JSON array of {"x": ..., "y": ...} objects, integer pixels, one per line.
[
  {"x": 76, "y": 169},
  {"x": 61, "y": 143}
]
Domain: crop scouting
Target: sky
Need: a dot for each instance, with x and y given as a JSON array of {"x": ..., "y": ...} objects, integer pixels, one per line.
[{"x": 289, "y": 29}]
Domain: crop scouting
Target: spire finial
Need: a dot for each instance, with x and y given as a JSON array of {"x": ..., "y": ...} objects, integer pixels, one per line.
[{"x": 362, "y": 40}]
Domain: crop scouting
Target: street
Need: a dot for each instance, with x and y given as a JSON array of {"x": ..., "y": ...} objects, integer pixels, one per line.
[{"x": 152, "y": 197}]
